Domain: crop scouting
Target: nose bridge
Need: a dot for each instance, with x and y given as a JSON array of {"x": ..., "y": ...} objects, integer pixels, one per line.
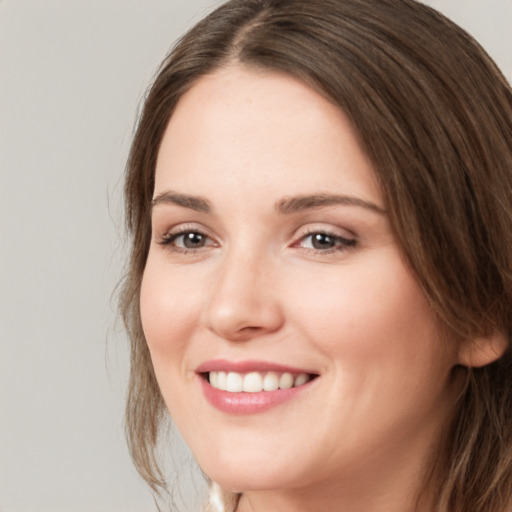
[{"x": 242, "y": 302}]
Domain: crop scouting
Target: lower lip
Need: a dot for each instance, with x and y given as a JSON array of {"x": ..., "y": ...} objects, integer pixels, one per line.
[{"x": 248, "y": 403}]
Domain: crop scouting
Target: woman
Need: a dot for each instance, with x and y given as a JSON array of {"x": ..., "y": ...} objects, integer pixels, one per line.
[{"x": 320, "y": 284}]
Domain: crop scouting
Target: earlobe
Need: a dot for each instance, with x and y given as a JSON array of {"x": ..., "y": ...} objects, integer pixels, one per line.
[{"x": 482, "y": 351}]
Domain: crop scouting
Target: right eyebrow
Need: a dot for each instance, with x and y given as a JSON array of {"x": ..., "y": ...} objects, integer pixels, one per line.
[
  {"x": 306, "y": 202},
  {"x": 197, "y": 203}
]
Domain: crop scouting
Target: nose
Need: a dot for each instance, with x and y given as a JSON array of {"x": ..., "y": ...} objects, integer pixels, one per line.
[{"x": 242, "y": 302}]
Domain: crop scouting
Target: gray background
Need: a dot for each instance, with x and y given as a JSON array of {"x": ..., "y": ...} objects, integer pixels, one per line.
[{"x": 72, "y": 73}]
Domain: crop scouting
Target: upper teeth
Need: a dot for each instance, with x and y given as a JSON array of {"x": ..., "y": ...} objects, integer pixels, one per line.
[{"x": 255, "y": 382}]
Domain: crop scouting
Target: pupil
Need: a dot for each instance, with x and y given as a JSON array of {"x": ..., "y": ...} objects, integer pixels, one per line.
[
  {"x": 193, "y": 240},
  {"x": 322, "y": 241}
]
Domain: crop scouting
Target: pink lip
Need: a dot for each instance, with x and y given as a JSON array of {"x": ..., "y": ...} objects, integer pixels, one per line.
[
  {"x": 247, "y": 403},
  {"x": 223, "y": 365}
]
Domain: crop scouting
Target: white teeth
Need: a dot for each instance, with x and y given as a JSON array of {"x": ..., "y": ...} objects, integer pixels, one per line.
[
  {"x": 221, "y": 380},
  {"x": 234, "y": 382},
  {"x": 271, "y": 381},
  {"x": 286, "y": 381},
  {"x": 255, "y": 382},
  {"x": 214, "y": 379},
  {"x": 301, "y": 379}
]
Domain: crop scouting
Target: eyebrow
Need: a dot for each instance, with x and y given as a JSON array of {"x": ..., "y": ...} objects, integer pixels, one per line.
[
  {"x": 305, "y": 202},
  {"x": 199, "y": 204},
  {"x": 287, "y": 205}
]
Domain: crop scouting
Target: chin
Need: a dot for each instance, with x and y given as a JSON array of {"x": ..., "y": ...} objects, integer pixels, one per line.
[
  {"x": 245, "y": 481},
  {"x": 242, "y": 474}
]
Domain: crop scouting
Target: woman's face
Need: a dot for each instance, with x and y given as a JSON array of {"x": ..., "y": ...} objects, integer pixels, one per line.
[{"x": 272, "y": 264}]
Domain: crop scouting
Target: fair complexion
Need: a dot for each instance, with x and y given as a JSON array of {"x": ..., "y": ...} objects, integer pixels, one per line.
[{"x": 272, "y": 252}]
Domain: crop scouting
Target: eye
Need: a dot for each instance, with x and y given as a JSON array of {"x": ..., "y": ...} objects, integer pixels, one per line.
[
  {"x": 186, "y": 240},
  {"x": 190, "y": 240},
  {"x": 325, "y": 242}
]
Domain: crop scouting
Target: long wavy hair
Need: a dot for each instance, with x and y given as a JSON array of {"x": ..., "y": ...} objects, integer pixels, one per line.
[{"x": 434, "y": 115}]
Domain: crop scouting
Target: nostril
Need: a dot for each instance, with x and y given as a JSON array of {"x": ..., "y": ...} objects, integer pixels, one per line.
[{"x": 251, "y": 328}]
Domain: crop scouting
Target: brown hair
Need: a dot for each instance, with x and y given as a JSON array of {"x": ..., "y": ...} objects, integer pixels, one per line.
[{"x": 434, "y": 115}]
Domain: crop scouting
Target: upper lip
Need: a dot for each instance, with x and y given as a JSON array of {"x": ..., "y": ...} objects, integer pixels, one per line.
[{"x": 223, "y": 365}]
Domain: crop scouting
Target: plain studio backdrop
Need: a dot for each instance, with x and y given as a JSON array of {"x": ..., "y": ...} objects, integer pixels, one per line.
[{"x": 72, "y": 74}]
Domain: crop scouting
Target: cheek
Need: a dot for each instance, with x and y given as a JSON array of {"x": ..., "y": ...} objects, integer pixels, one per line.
[
  {"x": 372, "y": 316},
  {"x": 167, "y": 312},
  {"x": 385, "y": 358}
]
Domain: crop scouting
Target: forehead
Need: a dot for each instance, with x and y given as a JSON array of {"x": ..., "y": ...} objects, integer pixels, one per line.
[{"x": 240, "y": 123}]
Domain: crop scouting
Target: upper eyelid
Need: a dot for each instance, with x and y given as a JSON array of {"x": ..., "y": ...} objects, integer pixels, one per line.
[
  {"x": 161, "y": 230},
  {"x": 327, "y": 228},
  {"x": 328, "y": 233},
  {"x": 183, "y": 227},
  {"x": 347, "y": 241},
  {"x": 169, "y": 238}
]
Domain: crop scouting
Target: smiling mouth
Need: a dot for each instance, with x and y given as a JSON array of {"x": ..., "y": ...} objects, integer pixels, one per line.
[{"x": 255, "y": 382}]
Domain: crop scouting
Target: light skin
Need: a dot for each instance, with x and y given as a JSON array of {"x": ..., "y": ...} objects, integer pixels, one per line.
[{"x": 290, "y": 259}]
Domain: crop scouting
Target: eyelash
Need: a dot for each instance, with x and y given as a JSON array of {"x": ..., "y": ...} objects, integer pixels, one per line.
[
  {"x": 340, "y": 243},
  {"x": 169, "y": 239}
]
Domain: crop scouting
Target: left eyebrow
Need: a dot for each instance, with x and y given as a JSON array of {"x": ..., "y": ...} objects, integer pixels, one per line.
[
  {"x": 305, "y": 202},
  {"x": 199, "y": 204}
]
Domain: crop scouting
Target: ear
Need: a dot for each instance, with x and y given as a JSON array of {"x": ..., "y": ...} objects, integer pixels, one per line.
[{"x": 482, "y": 351}]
